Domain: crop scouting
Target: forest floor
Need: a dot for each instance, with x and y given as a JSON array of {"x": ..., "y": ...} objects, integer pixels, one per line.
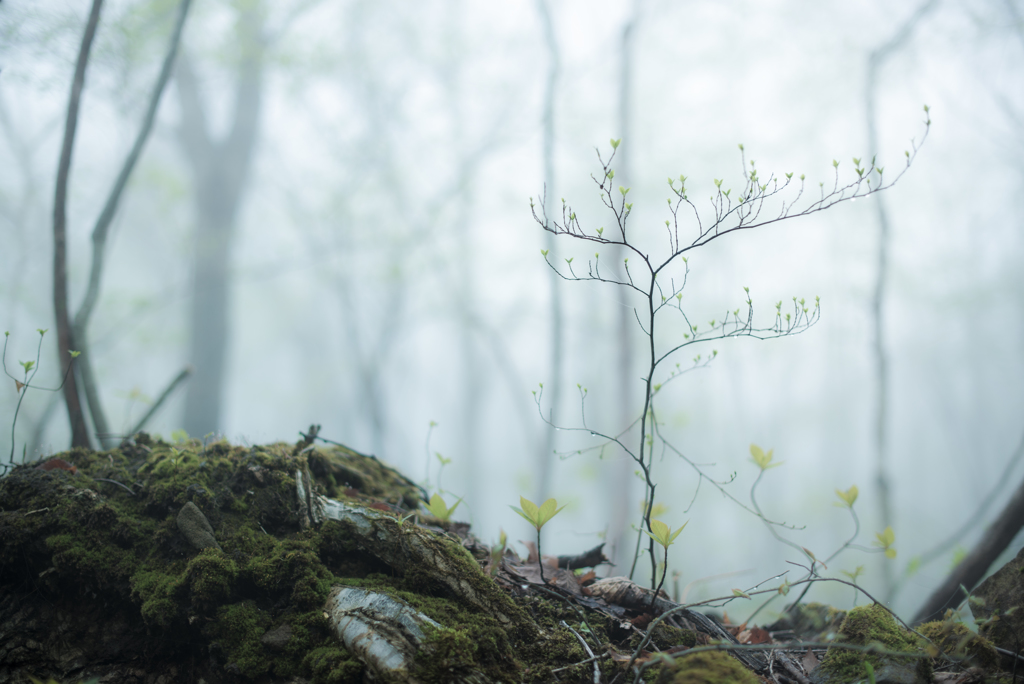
[{"x": 158, "y": 563}]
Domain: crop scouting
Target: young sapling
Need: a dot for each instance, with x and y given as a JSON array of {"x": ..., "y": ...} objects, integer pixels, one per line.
[{"x": 538, "y": 517}]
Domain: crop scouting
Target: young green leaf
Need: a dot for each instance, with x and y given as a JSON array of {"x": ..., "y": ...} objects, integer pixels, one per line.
[
  {"x": 847, "y": 497},
  {"x": 662, "y": 533},
  {"x": 740, "y": 593},
  {"x": 439, "y": 509},
  {"x": 885, "y": 540},
  {"x": 537, "y": 516},
  {"x": 761, "y": 459}
]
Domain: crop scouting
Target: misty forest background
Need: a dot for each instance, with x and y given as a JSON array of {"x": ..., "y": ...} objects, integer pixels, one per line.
[{"x": 331, "y": 221}]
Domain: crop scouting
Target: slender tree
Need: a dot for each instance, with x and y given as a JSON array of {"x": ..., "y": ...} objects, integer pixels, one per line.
[
  {"x": 101, "y": 232},
  {"x": 65, "y": 333},
  {"x": 75, "y": 333},
  {"x": 876, "y": 60},
  {"x": 556, "y": 345},
  {"x": 622, "y": 491}
]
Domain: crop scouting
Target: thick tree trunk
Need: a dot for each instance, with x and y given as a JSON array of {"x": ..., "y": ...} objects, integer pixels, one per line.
[{"x": 219, "y": 170}]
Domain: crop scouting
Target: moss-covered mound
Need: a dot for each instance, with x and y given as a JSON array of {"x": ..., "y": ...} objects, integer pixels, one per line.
[
  {"x": 706, "y": 667},
  {"x": 103, "y": 576},
  {"x": 874, "y": 627},
  {"x": 960, "y": 644}
]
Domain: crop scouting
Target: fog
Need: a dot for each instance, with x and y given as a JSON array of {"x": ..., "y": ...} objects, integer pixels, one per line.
[{"x": 384, "y": 275}]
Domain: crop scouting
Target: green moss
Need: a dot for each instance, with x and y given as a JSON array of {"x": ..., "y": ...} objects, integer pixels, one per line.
[
  {"x": 238, "y": 629},
  {"x": 706, "y": 667},
  {"x": 332, "y": 665},
  {"x": 446, "y": 654},
  {"x": 159, "y": 594},
  {"x": 871, "y": 625},
  {"x": 211, "y": 576},
  {"x": 958, "y": 642}
]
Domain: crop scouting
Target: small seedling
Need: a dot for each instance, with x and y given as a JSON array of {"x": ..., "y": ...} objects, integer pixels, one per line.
[
  {"x": 664, "y": 535},
  {"x": 22, "y": 386},
  {"x": 439, "y": 509},
  {"x": 538, "y": 517}
]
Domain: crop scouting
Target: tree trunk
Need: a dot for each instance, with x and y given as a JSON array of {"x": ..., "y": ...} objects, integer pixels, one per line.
[
  {"x": 876, "y": 60},
  {"x": 556, "y": 349},
  {"x": 65, "y": 335},
  {"x": 219, "y": 170}
]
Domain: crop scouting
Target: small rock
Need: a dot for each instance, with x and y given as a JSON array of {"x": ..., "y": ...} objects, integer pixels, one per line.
[
  {"x": 196, "y": 528},
  {"x": 277, "y": 637}
]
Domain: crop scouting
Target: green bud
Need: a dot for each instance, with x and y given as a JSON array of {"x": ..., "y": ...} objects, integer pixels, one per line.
[
  {"x": 835, "y": 164},
  {"x": 615, "y": 143},
  {"x": 544, "y": 252}
]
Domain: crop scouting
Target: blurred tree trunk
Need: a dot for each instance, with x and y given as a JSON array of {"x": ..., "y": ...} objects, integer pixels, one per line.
[
  {"x": 556, "y": 348},
  {"x": 876, "y": 61},
  {"x": 622, "y": 483},
  {"x": 220, "y": 169}
]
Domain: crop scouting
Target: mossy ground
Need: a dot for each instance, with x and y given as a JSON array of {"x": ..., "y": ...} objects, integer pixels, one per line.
[
  {"x": 960, "y": 644},
  {"x": 74, "y": 540},
  {"x": 706, "y": 667},
  {"x": 871, "y": 625}
]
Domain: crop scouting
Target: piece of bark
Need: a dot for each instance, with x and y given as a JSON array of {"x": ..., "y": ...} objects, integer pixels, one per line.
[
  {"x": 383, "y": 632},
  {"x": 410, "y": 548}
]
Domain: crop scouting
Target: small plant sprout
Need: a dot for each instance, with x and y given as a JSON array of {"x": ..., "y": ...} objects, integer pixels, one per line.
[
  {"x": 538, "y": 516},
  {"x": 663, "y": 535},
  {"x": 847, "y": 498},
  {"x": 439, "y": 509},
  {"x": 22, "y": 386},
  {"x": 497, "y": 552},
  {"x": 884, "y": 540},
  {"x": 761, "y": 459}
]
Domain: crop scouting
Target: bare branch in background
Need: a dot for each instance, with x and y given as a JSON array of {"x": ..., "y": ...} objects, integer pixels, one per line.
[{"x": 102, "y": 229}]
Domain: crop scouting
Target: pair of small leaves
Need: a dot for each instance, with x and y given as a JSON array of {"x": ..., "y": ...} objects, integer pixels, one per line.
[
  {"x": 538, "y": 516},
  {"x": 761, "y": 459},
  {"x": 663, "y": 534},
  {"x": 439, "y": 509},
  {"x": 885, "y": 540},
  {"x": 847, "y": 497}
]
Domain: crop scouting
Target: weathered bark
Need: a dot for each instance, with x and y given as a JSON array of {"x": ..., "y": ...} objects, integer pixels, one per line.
[
  {"x": 220, "y": 169},
  {"x": 65, "y": 334}
]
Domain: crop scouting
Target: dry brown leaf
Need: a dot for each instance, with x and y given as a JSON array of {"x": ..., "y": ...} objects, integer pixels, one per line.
[
  {"x": 758, "y": 636},
  {"x": 809, "y": 661}
]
